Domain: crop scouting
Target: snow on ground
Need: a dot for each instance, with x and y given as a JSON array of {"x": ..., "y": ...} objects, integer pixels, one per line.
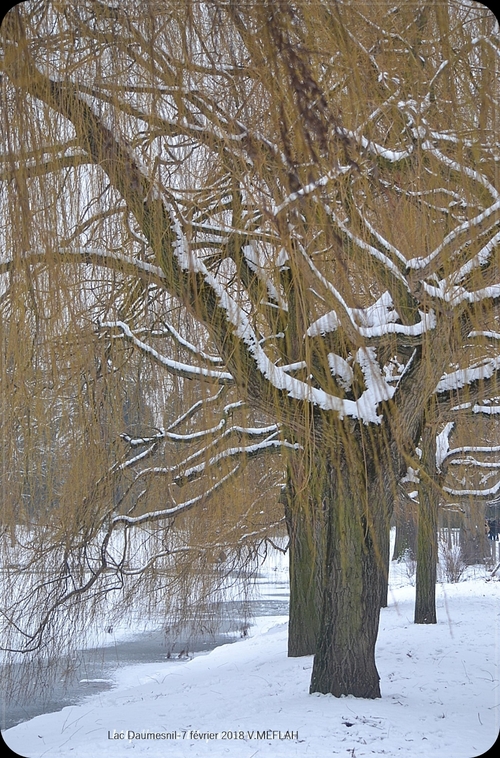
[{"x": 440, "y": 694}]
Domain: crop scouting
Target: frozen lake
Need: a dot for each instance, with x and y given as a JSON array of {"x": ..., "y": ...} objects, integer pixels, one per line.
[{"x": 94, "y": 669}]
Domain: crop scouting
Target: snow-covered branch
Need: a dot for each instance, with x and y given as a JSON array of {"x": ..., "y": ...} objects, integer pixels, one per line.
[
  {"x": 164, "y": 514},
  {"x": 244, "y": 451},
  {"x": 174, "y": 367}
]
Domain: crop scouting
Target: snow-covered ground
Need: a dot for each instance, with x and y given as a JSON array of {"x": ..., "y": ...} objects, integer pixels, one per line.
[{"x": 440, "y": 694}]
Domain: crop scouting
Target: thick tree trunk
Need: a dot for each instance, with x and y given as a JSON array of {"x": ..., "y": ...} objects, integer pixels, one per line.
[
  {"x": 359, "y": 509},
  {"x": 305, "y": 587},
  {"x": 307, "y": 534}
]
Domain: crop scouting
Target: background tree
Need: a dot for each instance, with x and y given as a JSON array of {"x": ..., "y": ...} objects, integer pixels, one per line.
[
  {"x": 312, "y": 190},
  {"x": 464, "y": 491}
]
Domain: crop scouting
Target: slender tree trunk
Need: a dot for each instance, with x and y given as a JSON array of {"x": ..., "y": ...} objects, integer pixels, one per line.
[
  {"x": 359, "y": 510},
  {"x": 427, "y": 539},
  {"x": 385, "y": 546},
  {"x": 473, "y": 539},
  {"x": 427, "y": 551},
  {"x": 405, "y": 544}
]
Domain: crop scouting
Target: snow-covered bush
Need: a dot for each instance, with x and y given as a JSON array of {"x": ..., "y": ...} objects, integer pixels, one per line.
[{"x": 451, "y": 562}]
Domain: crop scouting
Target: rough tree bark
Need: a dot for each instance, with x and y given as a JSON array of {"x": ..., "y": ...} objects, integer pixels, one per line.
[
  {"x": 427, "y": 540},
  {"x": 305, "y": 516},
  {"x": 359, "y": 506}
]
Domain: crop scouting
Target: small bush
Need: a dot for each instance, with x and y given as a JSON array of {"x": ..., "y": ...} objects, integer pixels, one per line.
[
  {"x": 408, "y": 558},
  {"x": 451, "y": 562}
]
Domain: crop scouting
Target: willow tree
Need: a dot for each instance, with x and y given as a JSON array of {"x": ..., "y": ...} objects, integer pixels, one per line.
[
  {"x": 458, "y": 477},
  {"x": 315, "y": 186}
]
